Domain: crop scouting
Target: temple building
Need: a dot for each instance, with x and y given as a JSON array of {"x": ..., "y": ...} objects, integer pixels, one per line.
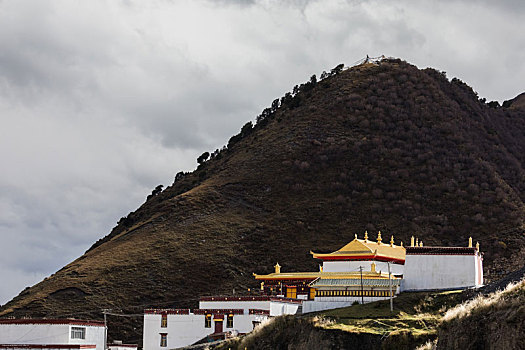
[
  {"x": 362, "y": 271},
  {"x": 358, "y": 272}
]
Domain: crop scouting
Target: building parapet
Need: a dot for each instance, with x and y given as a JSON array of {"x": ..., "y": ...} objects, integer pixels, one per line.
[
  {"x": 441, "y": 251},
  {"x": 218, "y": 311},
  {"x": 259, "y": 312},
  {"x": 65, "y": 321},
  {"x": 235, "y": 298},
  {"x": 168, "y": 311}
]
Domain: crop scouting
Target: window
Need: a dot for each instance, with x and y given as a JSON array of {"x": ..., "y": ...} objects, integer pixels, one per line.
[
  {"x": 207, "y": 321},
  {"x": 229, "y": 321},
  {"x": 78, "y": 333},
  {"x": 164, "y": 321},
  {"x": 163, "y": 340}
]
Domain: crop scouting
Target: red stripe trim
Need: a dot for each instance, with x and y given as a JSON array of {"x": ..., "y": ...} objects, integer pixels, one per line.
[
  {"x": 287, "y": 300},
  {"x": 232, "y": 298},
  {"x": 52, "y": 321},
  {"x": 259, "y": 312},
  {"x": 168, "y": 311},
  {"x": 218, "y": 311},
  {"x": 125, "y": 345},
  {"x": 361, "y": 258},
  {"x": 47, "y": 346}
]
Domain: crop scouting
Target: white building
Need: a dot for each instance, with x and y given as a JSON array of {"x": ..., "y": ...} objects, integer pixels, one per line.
[
  {"x": 117, "y": 345},
  {"x": 442, "y": 268},
  {"x": 51, "y": 334},
  {"x": 362, "y": 271},
  {"x": 216, "y": 318}
]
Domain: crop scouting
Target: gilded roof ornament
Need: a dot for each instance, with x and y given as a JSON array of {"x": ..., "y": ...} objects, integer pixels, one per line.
[
  {"x": 366, "y": 236},
  {"x": 277, "y": 268},
  {"x": 421, "y": 243},
  {"x": 477, "y": 246},
  {"x": 379, "y": 237},
  {"x": 470, "y": 242},
  {"x": 412, "y": 241},
  {"x": 392, "y": 241}
]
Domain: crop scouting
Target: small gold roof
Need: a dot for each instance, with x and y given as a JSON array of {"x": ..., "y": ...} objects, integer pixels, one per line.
[{"x": 313, "y": 275}]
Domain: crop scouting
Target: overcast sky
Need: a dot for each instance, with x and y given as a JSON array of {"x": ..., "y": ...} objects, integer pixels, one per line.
[{"x": 100, "y": 101}]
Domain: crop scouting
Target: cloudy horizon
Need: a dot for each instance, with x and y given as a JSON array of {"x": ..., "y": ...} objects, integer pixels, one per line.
[{"x": 101, "y": 101}]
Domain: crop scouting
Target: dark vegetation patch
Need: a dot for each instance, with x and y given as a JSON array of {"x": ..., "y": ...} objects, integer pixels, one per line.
[{"x": 376, "y": 147}]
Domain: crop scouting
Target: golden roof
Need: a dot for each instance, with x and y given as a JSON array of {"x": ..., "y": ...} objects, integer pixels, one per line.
[
  {"x": 321, "y": 274},
  {"x": 366, "y": 249}
]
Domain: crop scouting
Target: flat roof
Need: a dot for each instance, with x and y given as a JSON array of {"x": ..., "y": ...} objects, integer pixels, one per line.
[
  {"x": 65, "y": 321},
  {"x": 47, "y": 346}
]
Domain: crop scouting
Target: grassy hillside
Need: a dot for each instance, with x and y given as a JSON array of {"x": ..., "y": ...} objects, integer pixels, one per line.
[
  {"x": 378, "y": 147},
  {"x": 414, "y": 322},
  {"x": 496, "y": 321}
]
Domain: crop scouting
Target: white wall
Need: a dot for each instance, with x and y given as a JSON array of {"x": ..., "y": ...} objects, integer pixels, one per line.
[
  {"x": 34, "y": 333},
  {"x": 122, "y": 347},
  {"x": 278, "y": 308},
  {"x": 184, "y": 330},
  {"x": 245, "y": 305},
  {"x": 313, "y": 305},
  {"x": 55, "y": 334},
  {"x": 431, "y": 272},
  {"x": 353, "y": 266},
  {"x": 94, "y": 335}
]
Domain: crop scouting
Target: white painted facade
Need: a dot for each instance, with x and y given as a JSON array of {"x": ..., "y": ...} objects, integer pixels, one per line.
[
  {"x": 187, "y": 329},
  {"x": 353, "y": 266},
  {"x": 278, "y": 308},
  {"x": 437, "y": 270},
  {"x": 52, "y": 332},
  {"x": 120, "y": 346},
  {"x": 235, "y": 304}
]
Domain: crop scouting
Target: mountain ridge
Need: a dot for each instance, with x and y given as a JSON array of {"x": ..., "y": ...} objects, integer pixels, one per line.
[{"x": 375, "y": 147}]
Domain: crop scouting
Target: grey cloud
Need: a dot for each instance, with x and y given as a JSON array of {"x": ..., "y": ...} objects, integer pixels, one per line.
[{"x": 102, "y": 101}]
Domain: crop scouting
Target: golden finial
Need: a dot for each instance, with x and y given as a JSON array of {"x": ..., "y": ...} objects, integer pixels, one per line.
[
  {"x": 421, "y": 243},
  {"x": 470, "y": 242},
  {"x": 379, "y": 237},
  {"x": 412, "y": 241},
  {"x": 262, "y": 285},
  {"x": 366, "y": 236},
  {"x": 392, "y": 241},
  {"x": 401, "y": 244},
  {"x": 417, "y": 242},
  {"x": 356, "y": 236},
  {"x": 477, "y": 247},
  {"x": 277, "y": 268},
  {"x": 373, "y": 267}
]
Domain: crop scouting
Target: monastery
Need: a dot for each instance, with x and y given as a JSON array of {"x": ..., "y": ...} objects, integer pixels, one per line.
[{"x": 362, "y": 271}]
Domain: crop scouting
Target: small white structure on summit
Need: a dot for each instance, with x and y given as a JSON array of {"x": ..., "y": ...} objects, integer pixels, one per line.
[{"x": 362, "y": 271}]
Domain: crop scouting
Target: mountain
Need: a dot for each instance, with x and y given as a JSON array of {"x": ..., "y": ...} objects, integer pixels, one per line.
[{"x": 382, "y": 146}]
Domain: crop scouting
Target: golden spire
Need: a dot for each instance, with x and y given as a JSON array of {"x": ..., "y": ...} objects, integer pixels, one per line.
[
  {"x": 277, "y": 268},
  {"x": 477, "y": 247},
  {"x": 421, "y": 243},
  {"x": 366, "y": 236},
  {"x": 401, "y": 244},
  {"x": 412, "y": 241},
  {"x": 356, "y": 236},
  {"x": 379, "y": 237},
  {"x": 417, "y": 242},
  {"x": 373, "y": 267},
  {"x": 470, "y": 242},
  {"x": 262, "y": 285},
  {"x": 392, "y": 241}
]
